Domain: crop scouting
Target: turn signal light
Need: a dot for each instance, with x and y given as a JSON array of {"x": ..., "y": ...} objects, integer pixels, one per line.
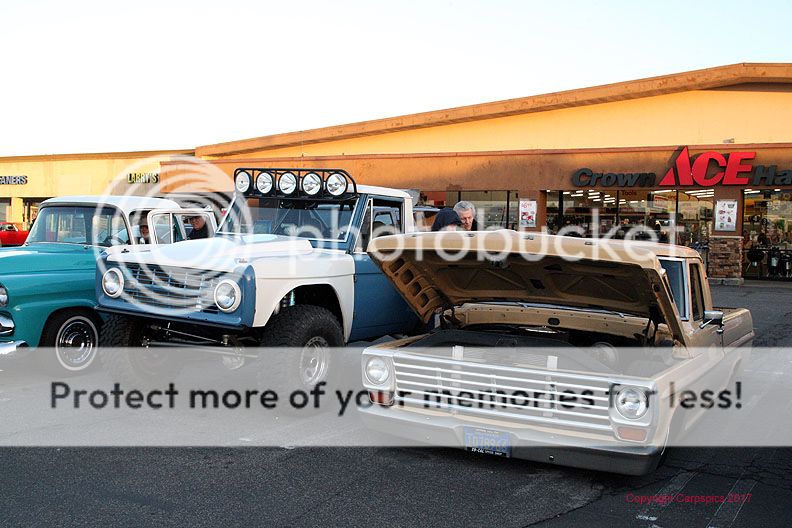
[
  {"x": 381, "y": 397},
  {"x": 631, "y": 433}
]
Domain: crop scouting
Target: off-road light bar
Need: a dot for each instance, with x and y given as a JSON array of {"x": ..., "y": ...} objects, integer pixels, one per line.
[{"x": 297, "y": 183}]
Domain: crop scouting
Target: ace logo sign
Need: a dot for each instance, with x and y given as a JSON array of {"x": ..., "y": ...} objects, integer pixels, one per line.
[
  {"x": 737, "y": 170},
  {"x": 694, "y": 172},
  {"x": 707, "y": 169}
]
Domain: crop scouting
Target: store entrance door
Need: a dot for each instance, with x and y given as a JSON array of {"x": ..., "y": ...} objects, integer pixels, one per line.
[{"x": 30, "y": 207}]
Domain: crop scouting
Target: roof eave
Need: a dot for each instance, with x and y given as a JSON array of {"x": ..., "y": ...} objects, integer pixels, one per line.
[{"x": 680, "y": 82}]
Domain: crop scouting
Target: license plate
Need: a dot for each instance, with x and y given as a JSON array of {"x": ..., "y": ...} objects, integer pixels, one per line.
[{"x": 487, "y": 441}]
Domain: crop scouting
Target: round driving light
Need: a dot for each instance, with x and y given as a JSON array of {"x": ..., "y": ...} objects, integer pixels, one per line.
[
  {"x": 242, "y": 182},
  {"x": 287, "y": 183},
  {"x": 377, "y": 371},
  {"x": 3, "y": 296},
  {"x": 264, "y": 182},
  {"x": 311, "y": 184},
  {"x": 336, "y": 184},
  {"x": 113, "y": 282},
  {"x": 227, "y": 295},
  {"x": 631, "y": 403}
]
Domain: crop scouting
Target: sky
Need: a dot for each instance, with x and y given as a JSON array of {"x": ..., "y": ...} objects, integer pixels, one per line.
[{"x": 84, "y": 76}]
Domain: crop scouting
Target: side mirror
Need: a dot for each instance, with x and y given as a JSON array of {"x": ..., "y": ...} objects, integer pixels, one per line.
[{"x": 712, "y": 317}]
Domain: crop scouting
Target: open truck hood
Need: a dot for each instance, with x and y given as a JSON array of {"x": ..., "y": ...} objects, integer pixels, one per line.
[{"x": 505, "y": 265}]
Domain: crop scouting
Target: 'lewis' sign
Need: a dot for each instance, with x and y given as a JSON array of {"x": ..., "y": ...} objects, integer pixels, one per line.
[{"x": 696, "y": 170}]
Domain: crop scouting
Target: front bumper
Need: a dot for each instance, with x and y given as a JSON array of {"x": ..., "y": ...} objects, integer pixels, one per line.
[
  {"x": 6, "y": 325},
  {"x": 13, "y": 349},
  {"x": 527, "y": 444}
]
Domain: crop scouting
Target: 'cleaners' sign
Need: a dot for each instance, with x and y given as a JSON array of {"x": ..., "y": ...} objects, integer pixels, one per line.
[{"x": 736, "y": 169}]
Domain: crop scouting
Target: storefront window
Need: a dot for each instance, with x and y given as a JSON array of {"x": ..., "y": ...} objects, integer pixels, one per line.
[
  {"x": 695, "y": 218},
  {"x": 553, "y": 213},
  {"x": 494, "y": 209},
  {"x": 589, "y": 213},
  {"x": 613, "y": 213},
  {"x": 767, "y": 216},
  {"x": 5, "y": 204},
  {"x": 30, "y": 207},
  {"x": 648, "y": 214}
]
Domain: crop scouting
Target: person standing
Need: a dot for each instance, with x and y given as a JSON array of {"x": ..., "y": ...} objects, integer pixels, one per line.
[
  {"x": 446, "y": 220},
  {"x": 467, "y": 215}
]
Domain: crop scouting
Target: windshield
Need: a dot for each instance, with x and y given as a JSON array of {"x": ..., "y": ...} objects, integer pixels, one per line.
[
  {"x": 80, "y": 225},
  {"x": 311, "y": 219}
]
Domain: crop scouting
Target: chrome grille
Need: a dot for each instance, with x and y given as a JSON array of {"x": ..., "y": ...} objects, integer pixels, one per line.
[
  {"x": 517, "y": 394},
  {"x": 179, "y": 288}
]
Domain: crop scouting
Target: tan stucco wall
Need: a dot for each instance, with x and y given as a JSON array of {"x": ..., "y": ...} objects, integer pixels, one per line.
[
  {"x": 689, "y": 118},
  {"x": 92, "y": 174}
]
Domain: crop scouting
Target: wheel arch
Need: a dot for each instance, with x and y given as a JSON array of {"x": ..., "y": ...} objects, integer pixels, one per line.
[
  {"x": 323, "y": 295},
  {"x": 335, "y": 295},
  {"x": 81, "y": 310}
]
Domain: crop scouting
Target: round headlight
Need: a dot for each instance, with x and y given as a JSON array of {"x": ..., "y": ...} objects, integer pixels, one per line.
[
  {"x": 377, "y": 371},
  {"x": 113, "y": 282},
  {"x": 631, "y": 403},
  {"x": 3, "y": 296},
  {"x": 227, "y": 295},
  {"x": 311, "y": 184},
  {"x": 287, "y": 183},
  {"x": 264, "y": 182},
  {"x": 336, "y": 184},
  {"x": 242, "y": 182}
]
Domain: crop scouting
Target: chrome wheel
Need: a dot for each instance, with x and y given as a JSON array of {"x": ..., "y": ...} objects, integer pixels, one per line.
[
  {"x": 314, "y": 361},
  {"x": 75, "y": 343}
]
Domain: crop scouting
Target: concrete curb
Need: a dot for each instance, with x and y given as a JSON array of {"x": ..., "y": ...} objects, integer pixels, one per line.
[{"x": 727, "y": 282}]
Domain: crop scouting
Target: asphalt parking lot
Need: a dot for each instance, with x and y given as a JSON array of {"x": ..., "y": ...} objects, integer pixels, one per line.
[{"x": 309, "y": 486}]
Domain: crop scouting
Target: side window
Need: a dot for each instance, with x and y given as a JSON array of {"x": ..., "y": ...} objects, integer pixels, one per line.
[
  {"x": 676, "y": 280},
  {"x": 161, "y": 228},
  {"x": 387, "y": 218},
  {"x": 696, "y": 292}
]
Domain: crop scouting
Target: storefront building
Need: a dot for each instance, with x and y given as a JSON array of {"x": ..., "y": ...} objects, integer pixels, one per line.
[
  {"x": 26, "y": 181},
  {"x": 698, "y": 158}
]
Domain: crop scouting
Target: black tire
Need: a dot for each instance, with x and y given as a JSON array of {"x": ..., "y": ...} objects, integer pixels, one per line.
[
  {"x": 314, "y": 330},
  {"x": 129, "y": 362},
  {"x": 69, "y": 341}
]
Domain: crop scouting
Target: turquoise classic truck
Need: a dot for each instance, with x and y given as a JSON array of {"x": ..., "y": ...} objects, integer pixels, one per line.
[{"x": 47, "y": 286}]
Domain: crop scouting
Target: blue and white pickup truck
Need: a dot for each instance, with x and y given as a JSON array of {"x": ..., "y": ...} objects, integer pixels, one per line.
[{"x": 287, "y": 268}]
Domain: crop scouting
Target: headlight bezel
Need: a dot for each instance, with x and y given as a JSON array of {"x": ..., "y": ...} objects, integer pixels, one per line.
[
  {"x": 237, "y": 295},
  {"x": 639, "y": 397},
  {"x": 117, "y": 273},
  {"x": 385, "y": 366}
]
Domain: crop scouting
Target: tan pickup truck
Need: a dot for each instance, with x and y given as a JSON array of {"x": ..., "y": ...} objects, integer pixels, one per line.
[{"x": 557, "y": 349}]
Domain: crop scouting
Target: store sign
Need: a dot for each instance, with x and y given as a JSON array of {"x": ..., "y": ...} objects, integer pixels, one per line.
[
  {"x": 143, "y": 177},
  {"x": 13, "y": 180},
  {"x": 589, "y": 178},
  {"x": 696, "y": 170}
]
